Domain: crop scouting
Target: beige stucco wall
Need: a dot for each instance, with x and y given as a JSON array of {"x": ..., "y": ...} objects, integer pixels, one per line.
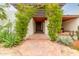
[
  {"x": 71, "y": 25},
  {"x": 46, "y": 29},
  {"x": 30, "y": 28}
]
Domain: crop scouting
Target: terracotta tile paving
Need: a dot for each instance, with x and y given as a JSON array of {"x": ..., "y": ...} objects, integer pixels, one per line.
[{"x": 39, "y": 45}]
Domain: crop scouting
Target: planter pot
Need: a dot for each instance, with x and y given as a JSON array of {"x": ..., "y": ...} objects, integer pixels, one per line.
[{"x": 75, "y": 44}]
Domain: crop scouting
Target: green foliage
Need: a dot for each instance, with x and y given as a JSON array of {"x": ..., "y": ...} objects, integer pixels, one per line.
[
  {"x": 21, "y": 25},
  {"x": 24, "y": 14},
  {"x": 54, "y": 14},
  {"x": 77, "y": 33},
  {"x": 11, "y": 40},
  {"x": 3, "y": 29},
  {"x": 72, "y": 34},
  {"x": 65, "y": 40},
  {"x": 7, "y": 38},
  {"x": 26, "y": 11},
  {"x": 2, "y": 14}
]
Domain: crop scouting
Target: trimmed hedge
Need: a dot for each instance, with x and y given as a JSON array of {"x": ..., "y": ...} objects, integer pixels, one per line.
[
  {"x": 54, "y": 14},
  {"x": 24, "y": 14}
]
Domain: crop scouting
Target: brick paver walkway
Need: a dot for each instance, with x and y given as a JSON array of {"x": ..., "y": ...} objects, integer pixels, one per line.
[{"x": 39, "y": 45}]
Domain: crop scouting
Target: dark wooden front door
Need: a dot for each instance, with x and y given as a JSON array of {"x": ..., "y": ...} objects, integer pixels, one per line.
[{"x": 39, "y": 27}]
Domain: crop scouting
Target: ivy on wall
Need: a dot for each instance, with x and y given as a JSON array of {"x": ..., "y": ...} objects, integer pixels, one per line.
[
  {"x": 24, "y": 14},
  {"x": 54, "y": 15}
]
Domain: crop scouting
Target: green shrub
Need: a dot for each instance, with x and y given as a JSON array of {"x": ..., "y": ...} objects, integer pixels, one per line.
[
  {"x": 77, "y": 33},
  {"x": 1, "y": 37},
  {"x": 21, "y": 25},
  {"x": 72, "y": 35},
  {"x": 11, "y": 40},
  {"x": 54, "y": 14},
  {"x": 3, "y": 29},
  {"x": 65, "y": 40},
  {"x": 2, "y": 13},
  {"x": 24, "y": 14}
]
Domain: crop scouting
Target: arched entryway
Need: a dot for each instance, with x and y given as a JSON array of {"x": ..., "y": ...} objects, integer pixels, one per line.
[{"x": 39, "y": 24}]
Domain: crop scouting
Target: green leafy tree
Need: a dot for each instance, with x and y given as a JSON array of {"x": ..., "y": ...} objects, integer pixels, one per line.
[{"x": 54, "y": 15}]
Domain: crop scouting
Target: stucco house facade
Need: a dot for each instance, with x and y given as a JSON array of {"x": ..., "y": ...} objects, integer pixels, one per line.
[{"x": 39, "y": 23}]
